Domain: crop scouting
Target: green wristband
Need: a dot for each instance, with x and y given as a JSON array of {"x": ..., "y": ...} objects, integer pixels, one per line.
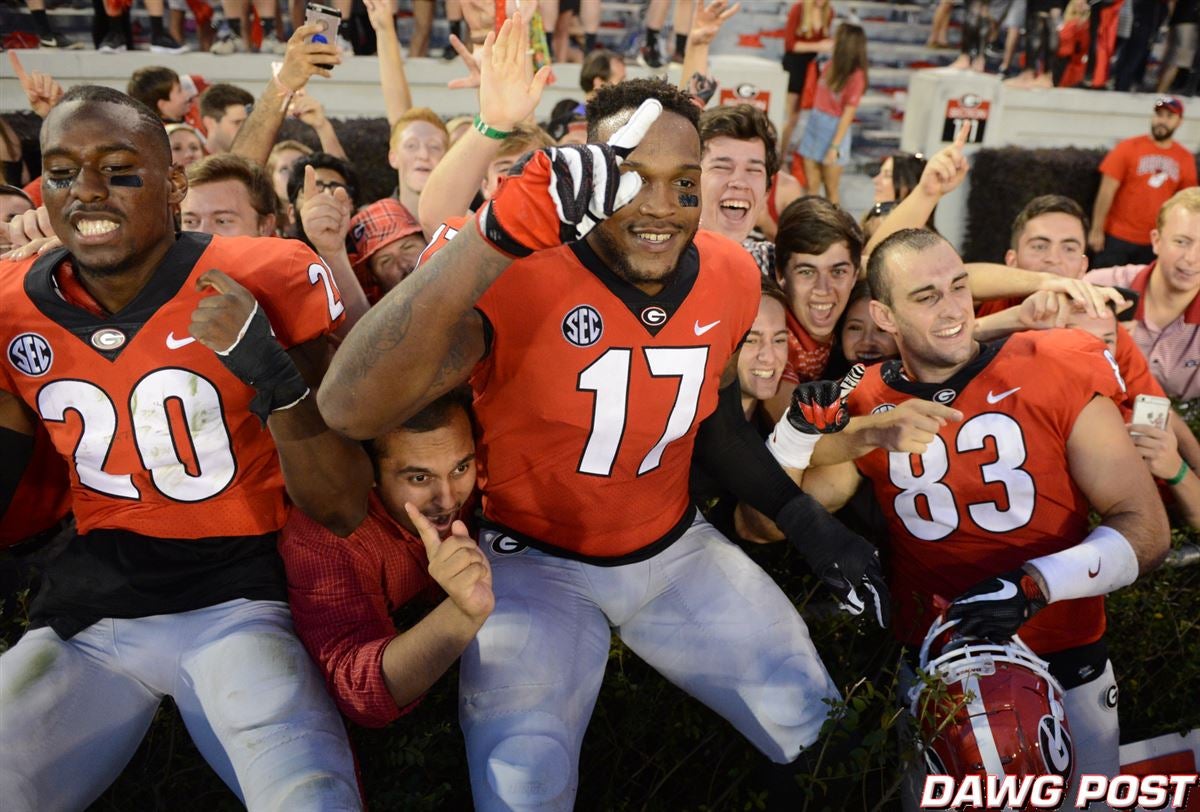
[
  {"x": 1183, "y": 469},
  {"x": 483, "y": 129}
]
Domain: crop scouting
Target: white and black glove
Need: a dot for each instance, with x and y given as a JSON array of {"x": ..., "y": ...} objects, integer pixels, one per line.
[
  {"x": 996, "y": 608},
  {"x": 558, "y": 194},
  {"x": 845, "y": 561}
]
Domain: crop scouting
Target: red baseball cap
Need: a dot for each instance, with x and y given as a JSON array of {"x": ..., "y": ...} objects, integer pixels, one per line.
[
  {"x": 379, "y": 224},
  {"x": 1171, "y": 103}
]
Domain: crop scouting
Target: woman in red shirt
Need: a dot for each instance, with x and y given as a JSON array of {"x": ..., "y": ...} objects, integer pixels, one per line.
[
  {"x": 809, "y": 25},
  {"x": 825, "y": 145}
]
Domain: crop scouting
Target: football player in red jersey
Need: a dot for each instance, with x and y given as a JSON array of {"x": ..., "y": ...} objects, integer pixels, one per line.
[
  {"x": 991, "y": 508},
  {"x": 167, "y": 370},
  {"x": 595, "y": 325}
]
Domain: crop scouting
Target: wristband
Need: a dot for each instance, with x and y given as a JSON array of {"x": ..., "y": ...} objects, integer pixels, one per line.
[
  {"x": 1101, "y": 563},
  {"x": 259, "y": 361},
  {"x": 483, "y": 129},
  {"x": 286, "y": 91},
  {"x": 1183, "y": 469},
  {"x": 791, "y": 447}
]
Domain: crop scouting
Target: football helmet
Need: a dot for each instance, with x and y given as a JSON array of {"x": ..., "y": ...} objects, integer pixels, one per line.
[{"x": 989, "y": 708}]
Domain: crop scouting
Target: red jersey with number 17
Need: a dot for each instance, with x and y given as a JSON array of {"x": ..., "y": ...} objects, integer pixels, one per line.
[
  {"x": 591, "y": 393},
  {"x": 157, "y": 432},
  {"x": 995, "y": 490}
]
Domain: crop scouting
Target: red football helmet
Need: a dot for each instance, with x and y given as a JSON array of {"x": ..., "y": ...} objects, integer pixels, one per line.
[{"x": 989, "y": 708}]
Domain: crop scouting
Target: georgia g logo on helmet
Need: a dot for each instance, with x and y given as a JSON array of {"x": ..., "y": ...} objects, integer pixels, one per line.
[{"x": 1055, "y": 744}]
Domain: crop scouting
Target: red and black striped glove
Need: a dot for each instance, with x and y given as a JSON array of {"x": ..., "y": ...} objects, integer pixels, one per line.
[
  {"x": 819, "y": 407},
  {"x": 558, "y": 194}
]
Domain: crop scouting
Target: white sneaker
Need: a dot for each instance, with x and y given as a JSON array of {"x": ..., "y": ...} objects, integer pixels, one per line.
[
  {"x": 272, "y": 45},
  {"x": 225, "y": 46}
]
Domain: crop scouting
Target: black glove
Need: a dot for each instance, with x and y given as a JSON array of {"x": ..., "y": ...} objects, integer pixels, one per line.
[
  {"x": 259, "y": 361},
  {"x": 996, "y": 607},
  {"x": 844, "y": 560},
  {"x": 819, "y": 407},
  {"x": 557, "y": 195}
]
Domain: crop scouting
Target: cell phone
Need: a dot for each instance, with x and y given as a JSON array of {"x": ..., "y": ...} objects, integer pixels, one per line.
[
  {"x": 317, "y": 13},
  {"x": 1150, "y": 410}
]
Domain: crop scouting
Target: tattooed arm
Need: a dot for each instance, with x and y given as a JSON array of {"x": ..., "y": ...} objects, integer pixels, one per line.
[{"x": 421, "y": 340}]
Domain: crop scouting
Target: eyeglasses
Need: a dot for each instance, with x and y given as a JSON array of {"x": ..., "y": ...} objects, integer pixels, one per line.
[{"x": 330, "y": 186}]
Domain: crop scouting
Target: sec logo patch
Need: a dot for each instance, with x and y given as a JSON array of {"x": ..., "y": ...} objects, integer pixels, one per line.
[
  {"x": 583, "y": 326},
  {"x": 31, "y": 354}
]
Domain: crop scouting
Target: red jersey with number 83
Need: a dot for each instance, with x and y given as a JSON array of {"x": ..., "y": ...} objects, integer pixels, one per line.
[
  {"x": 994, "y": 490},
  {"x": 157, "y": 432}
]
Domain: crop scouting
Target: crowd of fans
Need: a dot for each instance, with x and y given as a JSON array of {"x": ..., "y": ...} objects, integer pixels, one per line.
[{"x": 369, "y": 528}]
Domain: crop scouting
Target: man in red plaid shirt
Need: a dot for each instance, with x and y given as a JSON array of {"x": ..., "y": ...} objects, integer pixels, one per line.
[{"x": 412, "y": 544}]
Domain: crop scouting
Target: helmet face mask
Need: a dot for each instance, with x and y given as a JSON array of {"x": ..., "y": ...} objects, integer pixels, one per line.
[{"x": 989, "y": 708}]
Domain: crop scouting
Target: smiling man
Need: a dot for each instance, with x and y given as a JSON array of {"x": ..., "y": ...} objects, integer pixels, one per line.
[
  {"x": 343, "y": 592},
  {"x": 1136, "y": 177},
  {"x": 167, "y": 371},
  {"x": 595, "y": 324},
  {"x": 1167, "y": 321},
  {"x": 739, "y": 159},
  {"x": 990, "y": 508}
]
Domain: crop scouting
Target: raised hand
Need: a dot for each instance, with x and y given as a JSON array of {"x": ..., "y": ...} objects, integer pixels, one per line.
[
  {"x": 458, "y": 565},
  {"x": 40, "y": 88},
  {"x": 309, "y": 110},
  {"x": 708, "y": 20},
  {"x": 325, "y": 215},
  {"x": 947, "y": 168},
  {"x": 304, "y": 59},
  {"x": 379, "y": 12},
  {"x": 561, "y": 193},
  {"x": 509, "y": 91},
  {"x": 464, "y": 53}
]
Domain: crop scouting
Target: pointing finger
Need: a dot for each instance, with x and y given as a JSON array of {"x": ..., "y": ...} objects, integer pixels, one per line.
[
  {"x": 629, "y": 136},
  {"x": 425, "y": 529},
  {"x": 310, "y": 182},
  {"x": 18, "y": 68},
  {"x": 960, "y": 140}
]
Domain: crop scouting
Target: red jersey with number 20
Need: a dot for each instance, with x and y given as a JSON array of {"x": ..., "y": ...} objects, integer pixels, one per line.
[
  {"x": 157, "y": 432},
  {"x": 591, "y": 393},
  {"x": 995, "y": 490}
]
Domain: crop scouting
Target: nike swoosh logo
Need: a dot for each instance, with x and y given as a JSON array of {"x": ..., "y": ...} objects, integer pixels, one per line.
[
  {"x": 997, "y": 398},
  {"x": 174, "y": 343},
  {"x": 701, "y": 330},
  {"x": 1097, "y": 572},
  {"x": 1007, "y": 590}
]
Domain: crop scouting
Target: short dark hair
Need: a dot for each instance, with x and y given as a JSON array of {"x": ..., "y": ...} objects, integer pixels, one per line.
[
  {"x": 148, "y": 119},
  {"x": 227, "y": 166},
  {"x": 810, "y": 225},
  {"x": 1046, "y": 204},
  {"x": 743, "y": 122},
  {"x": 322, "y": 160},
  {"x": 151, "y": 85},
  {"x": 219, "y": 97},
  {"x": 597, "y": 65},
  {"x": 906, "y": 239},
  {"x": 612, "y": 100},
  {"x": 435, "y": 415}
]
